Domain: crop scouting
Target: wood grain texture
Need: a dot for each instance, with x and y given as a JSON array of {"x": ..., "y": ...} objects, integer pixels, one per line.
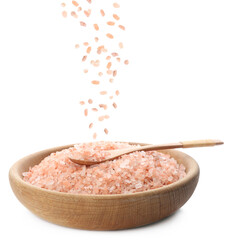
[{"x": 103, "y": 212}]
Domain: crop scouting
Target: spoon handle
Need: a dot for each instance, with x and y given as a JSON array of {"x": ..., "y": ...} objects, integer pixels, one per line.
[
  {"x": 201, "y": 143},
  {"x": 184, "y": 144}
]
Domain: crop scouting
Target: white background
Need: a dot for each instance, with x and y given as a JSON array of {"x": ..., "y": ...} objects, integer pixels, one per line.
[{"x": 173, "y": 89}]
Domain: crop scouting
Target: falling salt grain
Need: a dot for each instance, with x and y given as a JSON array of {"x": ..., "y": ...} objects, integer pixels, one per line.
[
  {"x": 82, "y": 102},
  {"x": 85, "y": 43},
  {"x": 100, "y": 74},
  {"x": 101, "y": 118},
  {"x": 86, "y": 112},
  {"x": 95, "y": 82},
  {"x": 102, "y": 12},
  {"x": 94, "y": 136},
  {"x": 84, "y": 58},
  {"x": 122, "y": 27},
  {"x": 109, "y": 65},
  {"x": 87, "y": 13},
  {"x": 114, "y": 73},
  {"x": 121, "y": 45},
  {"x": 83, "y": 24},
  {"x": 108, "y": 57},
  {"x": 115, "y": 16},
  {"x": 114, "y": 54},
  {"x": 106, "y": 131},
  {"x": 126, "y": 62},
  {"x": 103, "y": 92},
  {"x": 117, "y": 93},
  {"x": 90, "y": 101},
  {"x": 96, "y": 27},
  {"x": 109, "y": 35},
  {"x": 89, "y": 1},
  {"x": 96, "y": 39},
  {"x": 88, "y": 50},
  {"x": 111, "y": 80},
  {"x": 118, "y": 59},
  {"x": 64, "y": 14},
  {"x": 76, "y": 45},
  {"x": 104, "y": 106},
  {"x": 109, "y": 72},
  {"x": 114, "y": 105},
  {"x": 73, "y": 14},
  {"x": 94, "y": 109},
  {"x": 110, "y": 23},
  {"x": 90, "y": 125},
  {"x": 75, "y": 3},
  {"x": 116, "y": 5},
  {"x": 79, "y": 9},
  {"x": 85, "y": 70},
  {"x": 63, "y": 4}
]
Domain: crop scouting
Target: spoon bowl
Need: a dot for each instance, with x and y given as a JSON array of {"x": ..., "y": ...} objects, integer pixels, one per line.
[{"x": 103, "y": 212}]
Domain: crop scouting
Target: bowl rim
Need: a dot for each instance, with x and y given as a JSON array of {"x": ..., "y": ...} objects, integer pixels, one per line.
[{"x": 191, "y": 174}]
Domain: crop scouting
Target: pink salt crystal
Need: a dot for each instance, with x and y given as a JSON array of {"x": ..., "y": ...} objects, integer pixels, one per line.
[
  {"x": 86, "y": 112},
  {"x": 103, "y": 92},
  {"x": 73, "y": 14},
  {"x": 121, "y": 45},
  {"x": 85, "y": 70},
  {"x": 109, "y": 72},
  {"x": 94, "y": 109},
  {"x": 117, "y": 92},
  {"x": 104, "y": 106},
  {"x": 94, "y": 136},
  {"x": 114, "y": 105},
  {"x": 114, "y": 54},
  {"x": 64, "y": 14},
  {"x": 106, "y": 131},
  {"x": 126, "y": 62},
  {"x": 63, "y": 4},
  {"x": 114, "y": 73},
  {"x": 134, "y": 172},
  {"x": 96, "y": 39},
  {"x": 100, "y": 74},
  {"x": 85, "y": 43},
  {"x": 83, "y": 24},
  {"x": 82, "y": 102},
  {"x": 79, "y": 9},
  {"x": 116, "y": 5},
  {"x": 76, "y": 45},
  {"x": 84, "y": 58},
  {"x": 89, "y": 1},
  {"x": 102, "y": 12},
  {"x": 87, "y": 13},
  {"x": 90, "y": 125},
  {"x": 75, "y": 3},
  {"x": 101, "y": 118},
  {"x": 95, "y": 82},
  {"x": 111, "y": 80},
  {"x": 90, "y": 101},
  {"x": 122, "y": 27}
]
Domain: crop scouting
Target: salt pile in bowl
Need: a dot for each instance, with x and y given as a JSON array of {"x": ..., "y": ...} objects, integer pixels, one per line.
[{"x": 134, "y": 172}]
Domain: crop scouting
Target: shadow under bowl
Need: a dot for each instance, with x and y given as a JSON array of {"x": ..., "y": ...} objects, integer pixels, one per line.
[{"x": 103, "y": 212}]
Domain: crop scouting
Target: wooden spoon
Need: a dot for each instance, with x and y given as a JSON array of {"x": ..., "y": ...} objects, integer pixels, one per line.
[{"x": 119, "y": 152}]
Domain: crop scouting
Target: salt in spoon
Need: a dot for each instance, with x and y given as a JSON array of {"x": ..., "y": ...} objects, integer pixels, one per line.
[{"x": 112, "y": 154}]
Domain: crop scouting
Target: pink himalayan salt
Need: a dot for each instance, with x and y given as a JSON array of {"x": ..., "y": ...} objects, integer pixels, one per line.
[{"x": 134, "y": 172}]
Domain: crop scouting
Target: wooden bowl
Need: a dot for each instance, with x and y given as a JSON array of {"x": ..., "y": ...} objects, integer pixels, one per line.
[{"x": 103, "y": 212}]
